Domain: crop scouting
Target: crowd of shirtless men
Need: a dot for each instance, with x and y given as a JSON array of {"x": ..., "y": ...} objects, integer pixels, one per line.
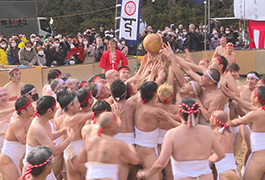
[{"x": 173, "y": 119}]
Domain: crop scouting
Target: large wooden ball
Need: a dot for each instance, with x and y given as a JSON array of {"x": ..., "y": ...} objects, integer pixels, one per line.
[{"x": 152, "y": 43}]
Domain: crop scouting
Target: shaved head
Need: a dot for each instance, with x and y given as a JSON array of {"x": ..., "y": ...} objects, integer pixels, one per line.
[{"x": 221, "y": 116}]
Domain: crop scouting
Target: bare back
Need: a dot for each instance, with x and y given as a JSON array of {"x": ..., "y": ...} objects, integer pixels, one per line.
[
  {"x": 193, "y": 143},
  {"x": 170, "y": 108},
  {"x": 13, "y": 89},
  {"x": 226, "y": 140}
]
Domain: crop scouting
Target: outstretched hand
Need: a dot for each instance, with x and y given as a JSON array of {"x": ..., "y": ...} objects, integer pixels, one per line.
[
  {"x": 140, "y": 174},
  {"x": 167, "y": 51}
]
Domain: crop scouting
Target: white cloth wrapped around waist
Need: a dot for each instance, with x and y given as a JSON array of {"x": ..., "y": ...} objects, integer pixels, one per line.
[
  {"x": 128, "y": 138},
  {"x": 257, "y": 140},
  {"x": 73, "y": 149},
  {"x": 96, "y": 170},
  {"x": 29, "y": 148},
  {"x": 59, "y": 139},
  {"x": 183, "y": 169},
  {"x": 226, "y": 164},
  {"x": 146, "y": 139},
  {"x": 226, "y": 108},
  {"x": 162, "y": 133},
  {"x": 15, "y": 151}
]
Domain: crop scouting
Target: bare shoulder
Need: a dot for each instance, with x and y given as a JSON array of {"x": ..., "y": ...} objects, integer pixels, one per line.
[{"x": 7, "y": 85}]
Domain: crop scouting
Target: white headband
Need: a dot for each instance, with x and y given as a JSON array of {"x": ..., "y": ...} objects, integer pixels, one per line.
[
  {"x": 4, "y": 92},
  {"x": 119, "y": 98},
  {"x": 207, "y": 72},
  {"x": 72, "y": 79},
  {"x": 31, "y": 90},
  {"x": 193, "y": 86},
  {"x": 70, "y": 103},
  {"x": 252, "y": 75},
  {"x": 58, "y": 85},
  {"x": 99, "y": 89}
]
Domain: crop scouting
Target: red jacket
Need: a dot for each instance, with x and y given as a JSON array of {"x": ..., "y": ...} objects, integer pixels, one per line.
[{"x": 107, "y": 63}]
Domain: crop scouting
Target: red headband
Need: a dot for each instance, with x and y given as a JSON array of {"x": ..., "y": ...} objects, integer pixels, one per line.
[
  {"x": 11, "y": 72},
  {"x": 229, "y": 45},
  {"x": 94, "y": 115},
  {"x": 166, "y": 99},
  {"x": 87, "y": 98},
  {"x": 262, "y": 81},
  {"x": 94, "y": 78},
  {"x": 219, "y": 59},
  {"x": 189, "y": 111},
  {"x": 260, "y": 100},
  {"x": 25, "y": 106},
  {"x": 206, "y": 60},
  {"x": 224, "y": 125},
  {"x": 125, "y": 68},
  {"x": 82, "y": 84},
  {"x": 143, "y": 99},
  {"x": 28, "y": 171},
  {"x": 110, "y": 74},
  {"x": 100, "y": 129},
  {"x": 36, "y": 113}
]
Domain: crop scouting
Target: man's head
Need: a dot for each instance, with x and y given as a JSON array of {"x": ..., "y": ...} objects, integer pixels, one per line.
[
  {"x": 189, "y": 111},
  {"x": 112, "y": 44},
  {"x": 69, "y": 103},
  {"x": 53, "y": 74},
  {"x": 109, "y": 123},
  {"x": 15, "y": 75},
  {"x": 210, "y": 78},
  {"x": 99, "y": 91},
  {"x": 24, "y": 107},
  {"x": 82, "y": 85},
  {"x": 252, "y": 79},
  {"x": 46, "y": 106},
  {"x": 3, "y": 96},
  {"x": 28, "y": 46},
  {"x": 219, "y": 119},
  {"x": 204, "y": 63},
  {"x": 148, "y": 91},
  {"x": 165, "y": 93},
  {"x": 261, "y": 81},
  {"x": 118, "y": 90},
  {"x": 219, "y": 63},
  {"x": 191, "y": 28},
  {"x": 112, "y": 75},
  {"x": 223, "y": 41},
  {"x": 233, "y": 69},
  {"x": 229, "y": 48},
  {"x": 84, "y": 97},
  {"x": 42, "y": 157},
  {"x": 30, "y": 92},
  {"x": 227, "y": 30},
  {"x": 94, "y": 79},
  {"x": 190, "y": 89},
  {"x": 258, "y": 96},
  {"x": 125, "y": 73},
  {"x": 57, "y": 84},
  {"x": 99, "y": 107}
]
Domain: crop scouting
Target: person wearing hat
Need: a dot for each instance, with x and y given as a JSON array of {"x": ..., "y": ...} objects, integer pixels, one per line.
[
  {"x": 112, "y": 57},
  {"x": 101, "y": 30},
  {"x": 32, "y": 38},
  {"x": 215, "y": 41}
]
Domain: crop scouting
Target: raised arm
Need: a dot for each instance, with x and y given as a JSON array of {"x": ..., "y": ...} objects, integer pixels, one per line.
[{"x": 248, "y": 118}]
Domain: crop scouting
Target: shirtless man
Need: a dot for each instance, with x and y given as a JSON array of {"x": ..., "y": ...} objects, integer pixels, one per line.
[
  {"x": 127, "y": 107},
  {"x": 226, "y": 168},
  {"x": 14, "y": 86},
  {"x": 125, "y": 73},
  {"x": 255, "y": 167},
  {"x": 40, "y": 133},
  {"x": 74, "y": 119},
  {"x": 111, "y": 76},
  {"x": 94, "y": 79},
  {"x": 6, "y": 111},
  {"x": 102, "y": 152},
  {"x": 52, "y": 74},
  {"x": 85, "y": 99},
  {"x": 82, "y": 84},
  {"x": 147, "y": 118},
  {"x": 220, "y": 49},
  {"x": 245, "y": 93},
  {"x": 55, "y": 85},
  {"x": 15, "y": 140},
  {"x": 229, "y": 54},
  {"x": 190, "y": 155},
  {"x": 165, "y": 97},
  {"x": 91, "y": 127}
]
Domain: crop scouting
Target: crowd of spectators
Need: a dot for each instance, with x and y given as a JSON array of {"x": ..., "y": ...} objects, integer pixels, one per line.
[{"x": 89, "y": 46}]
